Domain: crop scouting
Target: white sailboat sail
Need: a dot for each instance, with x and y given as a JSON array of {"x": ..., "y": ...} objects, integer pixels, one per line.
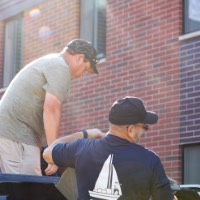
[
  {"x": 107, "y": 185},
  {"x": 102, "y": 181},
  {"x": 115, "y": 183}
]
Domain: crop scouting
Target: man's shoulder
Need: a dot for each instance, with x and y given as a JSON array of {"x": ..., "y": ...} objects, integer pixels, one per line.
[
  {"x": 51, "y": 56},
  {"x": 49, "y": 59}
]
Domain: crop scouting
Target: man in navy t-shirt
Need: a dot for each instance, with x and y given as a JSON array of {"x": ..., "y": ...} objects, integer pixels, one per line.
[{"x": 114, "y": 166}]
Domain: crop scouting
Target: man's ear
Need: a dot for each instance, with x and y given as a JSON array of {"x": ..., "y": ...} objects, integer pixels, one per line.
[
  {"x": 77, "y": 58},
  {"x": 131, "y": 130},
  {"x": 80, "y": 57}
]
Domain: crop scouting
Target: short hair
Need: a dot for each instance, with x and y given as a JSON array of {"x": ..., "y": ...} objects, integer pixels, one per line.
[{"x": 72, "y": 52}]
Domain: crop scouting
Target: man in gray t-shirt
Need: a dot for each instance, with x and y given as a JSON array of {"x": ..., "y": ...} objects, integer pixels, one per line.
[{"x": 30, "y": 109}]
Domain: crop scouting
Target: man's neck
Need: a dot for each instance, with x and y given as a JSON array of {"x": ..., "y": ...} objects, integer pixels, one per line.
[{"x": 121, "y": 132}]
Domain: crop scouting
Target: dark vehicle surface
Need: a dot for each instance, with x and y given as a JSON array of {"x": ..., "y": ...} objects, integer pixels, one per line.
[
  {"x": 188, "y": 192},
  {"x": 27, "y": 187}
]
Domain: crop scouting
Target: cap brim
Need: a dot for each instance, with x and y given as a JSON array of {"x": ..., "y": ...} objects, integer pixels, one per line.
[
  {"x": 94, "y": 67},
  {"x": 151, "y": 118}
]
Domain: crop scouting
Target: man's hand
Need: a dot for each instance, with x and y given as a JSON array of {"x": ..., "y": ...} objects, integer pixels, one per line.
[
  {"x": 95, "y": 133},
  {"x": 51, "y": 169}
]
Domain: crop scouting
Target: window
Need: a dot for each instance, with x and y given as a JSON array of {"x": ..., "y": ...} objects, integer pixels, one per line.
[
  {"x": 191, "y": 16},
  {"x": 93, "y": 24},
  {"x": 191, "y": 164},
  {"x": 13, "y": 49}
]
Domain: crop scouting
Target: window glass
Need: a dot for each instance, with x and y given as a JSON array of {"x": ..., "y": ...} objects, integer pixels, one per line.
[
  {"x": 191, "y": 16},
  {"x": 191, "y": 164},
  {"x": 13, "y": 49},
  {"x": 93, "y": 24}
]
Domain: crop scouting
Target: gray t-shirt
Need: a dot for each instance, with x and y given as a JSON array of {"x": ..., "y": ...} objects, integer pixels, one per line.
[{"x": 21, "y": 107}]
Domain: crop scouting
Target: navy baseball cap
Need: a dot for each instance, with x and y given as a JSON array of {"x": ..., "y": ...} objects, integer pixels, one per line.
[
  {"x": 84, "y": 47},
  {"x": 131, "y": 110}
]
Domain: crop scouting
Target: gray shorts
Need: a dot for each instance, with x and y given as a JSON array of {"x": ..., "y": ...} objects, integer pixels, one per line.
[{"x": 19, "y": 158}]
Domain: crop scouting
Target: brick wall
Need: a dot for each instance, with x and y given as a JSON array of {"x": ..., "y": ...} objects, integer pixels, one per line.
[
  {"x": 49, "y": 27},
  {"x": 142, "y": 59},
  {"x": 190, "y": 90}
]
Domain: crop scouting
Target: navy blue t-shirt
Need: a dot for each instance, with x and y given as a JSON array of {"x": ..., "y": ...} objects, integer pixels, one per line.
[{"x": 113, "y": 168}]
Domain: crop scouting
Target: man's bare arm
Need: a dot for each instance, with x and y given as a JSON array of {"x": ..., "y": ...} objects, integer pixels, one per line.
[
  {"x": 51, "y": 117},
  {"x": 92, "y": 133}
]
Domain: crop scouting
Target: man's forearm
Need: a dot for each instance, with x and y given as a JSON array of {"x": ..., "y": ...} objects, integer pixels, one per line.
[
  {"x": 47, "y": 154},
  {"x": 51, "y": 117},
  {"x": 92, "y": 133},
  {"x": 51, "y": 125},
  {"x": 68, "y": 138}
]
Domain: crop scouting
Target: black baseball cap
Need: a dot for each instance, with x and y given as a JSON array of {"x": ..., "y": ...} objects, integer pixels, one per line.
[
  {"x": 84, "y": 47},
  {"x": 131, "y": 110}
]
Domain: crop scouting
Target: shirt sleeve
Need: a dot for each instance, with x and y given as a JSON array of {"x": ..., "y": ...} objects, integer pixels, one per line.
[
  {"x": 160, "y": 183},
  {"x": 57, "y": 80},
  {"x": 64, "y": 155}
]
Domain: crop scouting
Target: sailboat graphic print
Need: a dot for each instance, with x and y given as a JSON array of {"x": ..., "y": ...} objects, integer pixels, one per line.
[{"x": 107, "y": 185}]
